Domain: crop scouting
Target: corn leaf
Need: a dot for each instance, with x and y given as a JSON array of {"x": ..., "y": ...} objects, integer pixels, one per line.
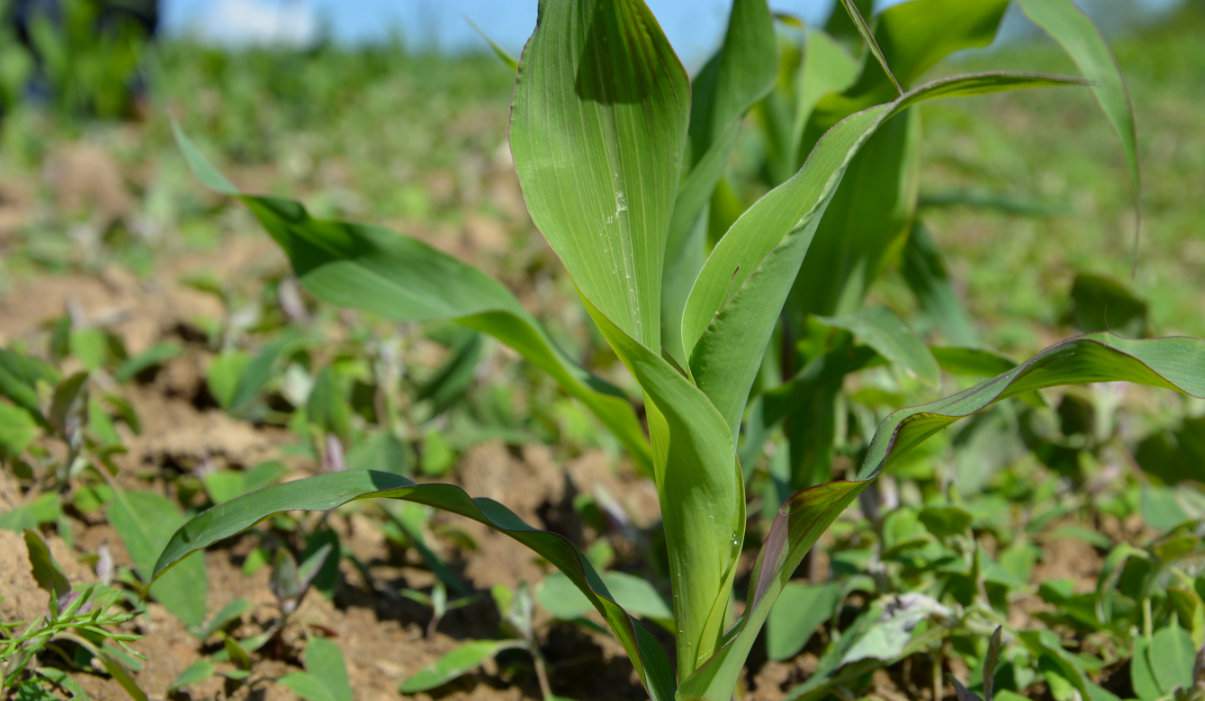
[
  {"x": 1075, "y": 32},
  {"x": 739, "y": 293},
  {"x": 702, "y": 494},
  {"x": 598, "y": 129},
  {"x": 740, "y": 73},
  {"x": 1171, "y": 363},
  {"x": 328, "y": 491},
  {"x": 370, "y": 268},
  {"x": 872, "y": 46}
]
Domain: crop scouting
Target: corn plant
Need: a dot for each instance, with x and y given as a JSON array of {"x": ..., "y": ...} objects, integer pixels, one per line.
[{"x": 618, "y": 153}]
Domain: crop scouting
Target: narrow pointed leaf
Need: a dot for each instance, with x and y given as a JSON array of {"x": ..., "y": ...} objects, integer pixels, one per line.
[
  {"x": 1075, "y": 32},
  {"x": 598, "y": 129},
  {"x": 370, "y": 268},
  {"x": 740, "y": 291},
  {"x": 872, "y": 45},
  {"x": 332, "y": 490}
]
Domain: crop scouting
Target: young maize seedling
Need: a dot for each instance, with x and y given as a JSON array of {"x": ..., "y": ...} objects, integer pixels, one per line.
[{"x": 617, "y": 153}]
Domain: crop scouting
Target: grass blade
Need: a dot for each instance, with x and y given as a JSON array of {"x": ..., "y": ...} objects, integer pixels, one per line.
[{"x": 872, "y": 45}]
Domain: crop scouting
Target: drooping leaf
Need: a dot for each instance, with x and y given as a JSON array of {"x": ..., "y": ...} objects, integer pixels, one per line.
[
  {"x": 598, "y": 131},
  {"x": 331, "y": 490},
  {"x": 400, "y": 278},
  {"x": 1171, "y": 363}
]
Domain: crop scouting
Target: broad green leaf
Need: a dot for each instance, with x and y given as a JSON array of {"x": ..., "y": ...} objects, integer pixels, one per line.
[
  {"x": 740, "y": 73},
  {"x": 891, "y": 338},
  {"x": 332, "y": 490},
  {"x": 598, "y": 131},
  {"x": 799, "y": 611},
  {"x": 1142, "y": 673},
  {"x": 924, "y": 269},
  {"x": 701, "y": 490},
  {"x": 1175, "y": 454},
  {"x": 737, "y": 297},
  {"x": 400, "y": 278},
  {"x": 1172, "y": 363},
  {"x": 460, "y": 661},
  {"x": 1074, "y": 32},
  {"x": 144, "y": 521},
  {"x": 1173, "y": 658},
  {"x": 324, "y": 660}
]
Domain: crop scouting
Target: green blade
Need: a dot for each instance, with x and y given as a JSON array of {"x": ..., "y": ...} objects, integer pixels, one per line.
[
  {"x": 598, "y": 129},
  {"x": 1075, "y": 32},
  {"x": 370, "y": 268},
  {"x": 332, "y": 490},
  {"x": 701, "y": 490},
  {"x": 740, "y": 73},
  {"x": 1172, "y": 363},
  {"x": 740, "y": 291},
  {"x": 855, "y": 15}
]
